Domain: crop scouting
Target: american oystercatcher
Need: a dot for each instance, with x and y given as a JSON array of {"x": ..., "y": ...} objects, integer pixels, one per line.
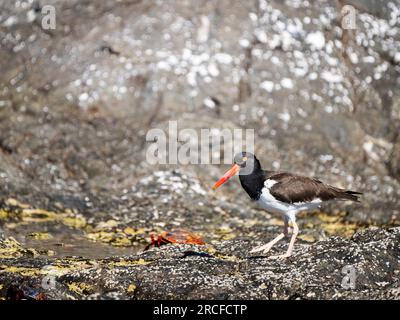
[{"x": 282, "y": 193}]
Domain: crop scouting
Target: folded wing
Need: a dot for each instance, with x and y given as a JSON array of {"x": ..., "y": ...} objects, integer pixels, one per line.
[{"x": 291, "y": 188}]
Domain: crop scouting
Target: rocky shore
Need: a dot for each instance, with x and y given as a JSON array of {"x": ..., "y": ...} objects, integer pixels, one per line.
[{"x": 322, "y": 270}]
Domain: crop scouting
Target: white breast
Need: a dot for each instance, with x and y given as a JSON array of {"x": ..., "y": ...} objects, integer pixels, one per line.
[{"x": 269, "y": 203}]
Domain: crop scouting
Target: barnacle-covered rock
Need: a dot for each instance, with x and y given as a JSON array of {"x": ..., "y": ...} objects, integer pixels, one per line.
[{"x": 365, "y": 266}]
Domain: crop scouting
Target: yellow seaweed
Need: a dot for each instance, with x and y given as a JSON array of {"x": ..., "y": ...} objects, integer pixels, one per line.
[
  {"x": 131, "y": 288},
  {"x": 40, "y": 235},
  {"x": 80, "y": 288}
]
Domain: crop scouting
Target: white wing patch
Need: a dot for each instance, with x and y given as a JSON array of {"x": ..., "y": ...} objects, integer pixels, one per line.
[
  {"x": 313, "y": 201},
  {"x": 269, "y": 183}
]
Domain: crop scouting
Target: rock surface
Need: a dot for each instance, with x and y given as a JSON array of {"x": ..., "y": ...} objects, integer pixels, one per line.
[
  {"x": 223, "y": 271},
  {"x": 77, "y": 102}
]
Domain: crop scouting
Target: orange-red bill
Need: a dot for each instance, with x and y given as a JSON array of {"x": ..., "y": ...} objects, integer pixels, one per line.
[{"x": 230, "y": 173}]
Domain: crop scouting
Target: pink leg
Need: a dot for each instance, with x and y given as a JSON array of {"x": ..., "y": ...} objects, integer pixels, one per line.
[
  {"x": 266, "y": 247},
  {"x": 291, "y": 244}
]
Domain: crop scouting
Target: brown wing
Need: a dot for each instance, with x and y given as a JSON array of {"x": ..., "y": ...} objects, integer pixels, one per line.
[{"x": 291, "y": 188}]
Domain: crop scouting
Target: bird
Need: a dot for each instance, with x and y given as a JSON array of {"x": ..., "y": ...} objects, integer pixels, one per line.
[{"x": 282, "y": 193}]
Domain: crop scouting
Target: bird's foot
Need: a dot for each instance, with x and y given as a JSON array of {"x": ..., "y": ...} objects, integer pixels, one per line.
[
  {"x": 280, "y": 256},
  {"x": 265, "y": 248}
]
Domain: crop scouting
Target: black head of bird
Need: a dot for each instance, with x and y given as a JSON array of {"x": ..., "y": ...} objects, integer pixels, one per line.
[{"x": 244, "y": 163}]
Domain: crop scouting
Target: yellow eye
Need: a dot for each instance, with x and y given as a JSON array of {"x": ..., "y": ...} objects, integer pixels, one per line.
[{"x": 244, "y": 159}]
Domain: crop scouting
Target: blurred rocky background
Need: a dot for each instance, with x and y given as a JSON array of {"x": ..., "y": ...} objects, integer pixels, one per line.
[{"x": 77, "y": 102}]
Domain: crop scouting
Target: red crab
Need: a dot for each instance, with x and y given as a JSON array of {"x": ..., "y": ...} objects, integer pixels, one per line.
[{"x": 176, "y": 236}]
